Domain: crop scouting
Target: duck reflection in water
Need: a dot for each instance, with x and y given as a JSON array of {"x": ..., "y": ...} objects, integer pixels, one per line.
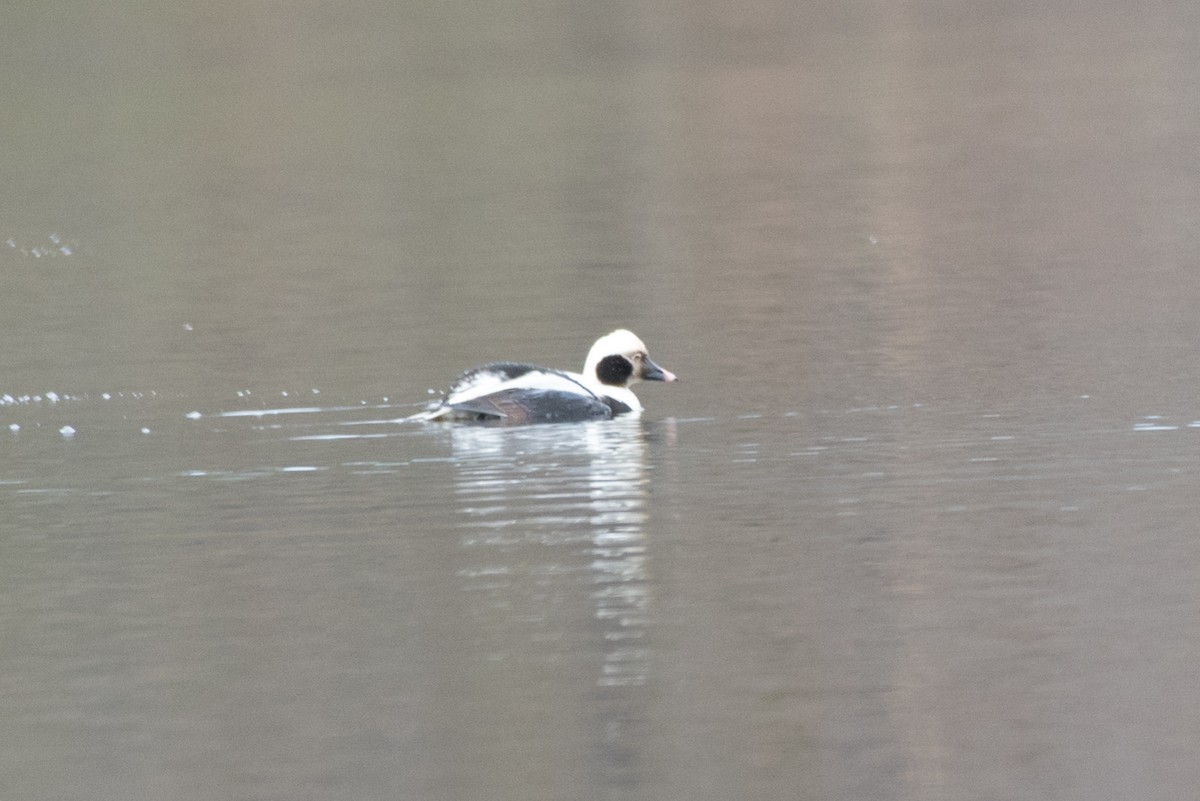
[{"x": 554, "y": 543}]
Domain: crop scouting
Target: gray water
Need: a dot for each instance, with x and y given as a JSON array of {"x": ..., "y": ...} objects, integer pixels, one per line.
[{"x": 917, "y": 522}]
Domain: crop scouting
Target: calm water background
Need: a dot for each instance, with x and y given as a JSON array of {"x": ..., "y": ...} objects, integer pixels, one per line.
[{"x": 919, "y": 522}]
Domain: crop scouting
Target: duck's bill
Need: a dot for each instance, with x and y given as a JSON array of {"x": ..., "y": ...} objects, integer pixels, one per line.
[{"x": 652, "y": 372}]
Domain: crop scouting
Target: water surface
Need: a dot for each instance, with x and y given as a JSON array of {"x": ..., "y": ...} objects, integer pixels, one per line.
[{"x": 916, "y": 523}]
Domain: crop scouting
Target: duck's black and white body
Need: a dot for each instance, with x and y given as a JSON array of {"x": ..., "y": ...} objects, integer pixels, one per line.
[{"x": 508, "y": 393}]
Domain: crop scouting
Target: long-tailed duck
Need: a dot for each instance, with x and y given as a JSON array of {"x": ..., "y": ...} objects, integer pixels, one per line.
[{"x": 507, "y": 393}]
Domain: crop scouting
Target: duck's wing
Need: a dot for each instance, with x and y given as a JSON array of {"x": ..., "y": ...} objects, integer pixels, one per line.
[{"x": 524, "y": 406}]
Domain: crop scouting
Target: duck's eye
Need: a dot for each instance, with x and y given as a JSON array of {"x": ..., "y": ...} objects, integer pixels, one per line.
[{"x": 637, "y": 357}]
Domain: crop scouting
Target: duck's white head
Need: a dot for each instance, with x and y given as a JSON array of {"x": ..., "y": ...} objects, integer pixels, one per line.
[{"x": 620, "y": 359}]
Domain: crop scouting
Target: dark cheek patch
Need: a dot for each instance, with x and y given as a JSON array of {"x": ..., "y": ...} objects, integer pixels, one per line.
[{"x": 614, "y": 370}]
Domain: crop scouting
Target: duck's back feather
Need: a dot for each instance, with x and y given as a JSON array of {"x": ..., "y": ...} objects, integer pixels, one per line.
[
  {"x": 487, "y": 376},
  {"x": 500, "y": 376}
]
